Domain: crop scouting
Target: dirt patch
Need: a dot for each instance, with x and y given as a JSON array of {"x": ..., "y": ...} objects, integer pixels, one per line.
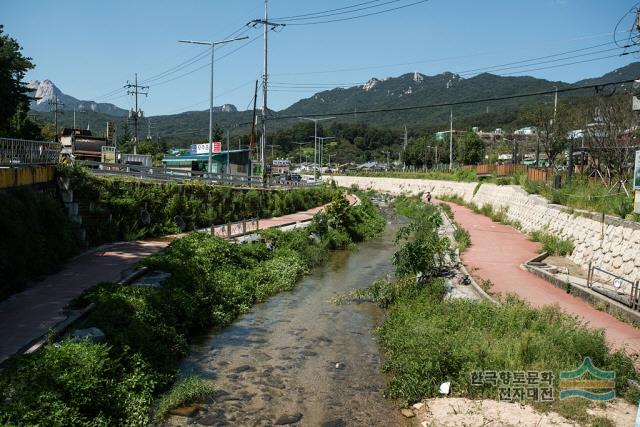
[
  {"x": 563, "y": 262},
  {"x": 459, "y": 412}
]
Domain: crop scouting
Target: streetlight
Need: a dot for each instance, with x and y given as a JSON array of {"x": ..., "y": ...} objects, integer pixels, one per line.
[
  {"x": 321, "y": 140},
  {"x": 300, "y": 144},
  {"x": 315, "y": 139},
  {"x": 213, "y": 44}
]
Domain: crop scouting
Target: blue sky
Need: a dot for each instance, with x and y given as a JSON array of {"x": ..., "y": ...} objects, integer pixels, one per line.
[{"x": 90, "y": 49}]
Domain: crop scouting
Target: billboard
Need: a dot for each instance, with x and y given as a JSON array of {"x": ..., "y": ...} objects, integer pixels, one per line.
[
  {"x": 636, "y": 172},
  {"x": 204, "y": 148}
]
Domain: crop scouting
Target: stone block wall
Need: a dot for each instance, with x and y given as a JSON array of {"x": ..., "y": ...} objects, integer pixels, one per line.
[{"x": 612, "y": 244}]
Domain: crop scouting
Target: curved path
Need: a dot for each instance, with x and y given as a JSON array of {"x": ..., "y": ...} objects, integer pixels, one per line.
[
  {"x": 496, "y": 253},
  {"x": 26, "y": 316}
]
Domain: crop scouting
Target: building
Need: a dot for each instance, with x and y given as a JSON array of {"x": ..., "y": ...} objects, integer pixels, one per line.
[
  {"x": 280, "y": 166},
  {"x": 81, "y": 144},
  {"x": 233, "y": 162}
]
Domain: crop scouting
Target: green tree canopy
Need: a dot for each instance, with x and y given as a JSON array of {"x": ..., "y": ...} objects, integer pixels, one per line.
[
  {"x": 13, "y": 92},
  {"x": 470, "y": 149}
]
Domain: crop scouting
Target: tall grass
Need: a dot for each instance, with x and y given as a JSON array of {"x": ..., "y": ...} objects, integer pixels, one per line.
[
  {"x": 552, "y": 244},
  {"x": 428, "y": 340}
]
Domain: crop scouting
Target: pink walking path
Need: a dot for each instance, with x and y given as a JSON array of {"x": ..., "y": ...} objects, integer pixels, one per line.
[
  {"x": 496, "y": 253},
  {"x": 26, "y": 316}
]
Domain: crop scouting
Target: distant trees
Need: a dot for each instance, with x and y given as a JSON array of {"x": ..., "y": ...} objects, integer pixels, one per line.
[
  {"x": 470, "y": 149},
  {"x": 14, "y": 101}
]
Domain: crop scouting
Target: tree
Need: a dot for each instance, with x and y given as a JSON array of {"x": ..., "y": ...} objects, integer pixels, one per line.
[
  {"x": 553, "y": 128},
  {"x": 13, "y": 92},
  {"x": 125, "y": 140},
  {"x": 217, "y": 133},
  {"x": 611, "y": 137},
  {"x": 470, "y": 149}
]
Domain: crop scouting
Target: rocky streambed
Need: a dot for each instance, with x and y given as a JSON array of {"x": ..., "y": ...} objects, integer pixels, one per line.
[{"x": 299, "y": 359}]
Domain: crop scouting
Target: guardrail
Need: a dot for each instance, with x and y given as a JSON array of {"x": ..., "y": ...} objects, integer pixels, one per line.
[
  {"x": 180, "y": 175},
  {"x": 167, "y": 174},
  {"x": 23, "y": 152},
  {"x": 617, "y": 287}
]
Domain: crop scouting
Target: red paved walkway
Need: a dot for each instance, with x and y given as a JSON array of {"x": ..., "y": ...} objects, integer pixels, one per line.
[
  {"x": 26, "y": 316},
  {"x": 496, "y": 253}
]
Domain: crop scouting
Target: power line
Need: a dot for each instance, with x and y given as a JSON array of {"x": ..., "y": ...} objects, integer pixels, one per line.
[
  {"x": 360, "y": 16},
  {"x": 325, "y": 14},
  {"x": 283, "y": 18}
]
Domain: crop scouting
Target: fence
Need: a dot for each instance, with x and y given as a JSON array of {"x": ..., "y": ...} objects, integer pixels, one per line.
[
  {"x": 22, "y": 152},
  {"x": 615, "y": 287},
  {"x": 236, "y": 229}
]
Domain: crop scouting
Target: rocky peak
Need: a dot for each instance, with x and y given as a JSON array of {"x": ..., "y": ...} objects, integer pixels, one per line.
[{"x": 372, "y": 83}]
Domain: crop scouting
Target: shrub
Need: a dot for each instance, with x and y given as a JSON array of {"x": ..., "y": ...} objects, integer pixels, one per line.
[
  {"x": 74, "y": 384},
  {"x": 462, "y": 238},
  {"x": 552, "y": 244}
]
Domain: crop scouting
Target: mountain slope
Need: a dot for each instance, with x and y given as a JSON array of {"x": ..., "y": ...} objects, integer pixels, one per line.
[{"x": 47, "y": 91}]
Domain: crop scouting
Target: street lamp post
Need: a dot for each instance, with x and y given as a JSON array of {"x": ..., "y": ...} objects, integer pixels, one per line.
[
  {"x": 321, "y": 140},
  {"x": 315, "y": 139},
  {"x": 212, "y": 44}
]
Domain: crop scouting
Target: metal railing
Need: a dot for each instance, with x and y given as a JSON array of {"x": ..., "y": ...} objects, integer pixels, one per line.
[
  {"x": 614, "y": 286},
  {"x": 236, "y": 229},
  {"x": 180, "y": 175},
  {"x": 167, "y": 174},
  {"x": 22, "y": 152}
]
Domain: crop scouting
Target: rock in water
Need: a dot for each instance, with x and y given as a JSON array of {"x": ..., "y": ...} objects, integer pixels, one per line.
[{"x": 288, "y": 419}]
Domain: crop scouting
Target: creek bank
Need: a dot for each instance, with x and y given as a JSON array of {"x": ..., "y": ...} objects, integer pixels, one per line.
[
  {"x": 212, "y": 281},
  {"x": 300, "y": 354},
  {"x": 610, "y": 243}
]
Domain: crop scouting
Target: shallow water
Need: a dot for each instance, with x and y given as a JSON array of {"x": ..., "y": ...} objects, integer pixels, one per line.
[{"x": 298, "y": 354}]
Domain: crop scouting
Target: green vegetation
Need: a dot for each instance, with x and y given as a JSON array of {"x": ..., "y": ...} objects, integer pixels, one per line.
[
  {"x": 188, "y": 390},
  {"x": 462, "y": 238},
  {"x": 37, "y": 236},
  {"x": 424, "y": 252},
  {"x": 428, "y": 340},
  {"x": 120, "y": 206},
  {"x": 212, "y": 282},
  {"x": 587, "y": 195},
  {"x": 551, "y": 244},
  {"x": 459, "y": 175}
]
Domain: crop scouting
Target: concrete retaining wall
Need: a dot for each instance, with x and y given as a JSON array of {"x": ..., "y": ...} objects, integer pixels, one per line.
[{"x": 612, "y": 244}]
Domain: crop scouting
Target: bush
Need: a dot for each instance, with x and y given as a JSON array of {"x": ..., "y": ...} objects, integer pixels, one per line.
[
  {"x": 552, "y": 244},
  {"x": 120, "y": 205},
  {"x": 74, "y": 384},
  {"x": 37, "y": 237},
  {"x": 462, "y": 238}
]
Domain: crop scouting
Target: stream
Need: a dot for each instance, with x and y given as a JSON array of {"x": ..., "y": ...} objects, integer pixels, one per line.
[{"x": 298, "y": 359}]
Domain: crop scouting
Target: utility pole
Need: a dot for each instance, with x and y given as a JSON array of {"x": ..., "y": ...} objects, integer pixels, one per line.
[
  {"x": 300, "y": 144},
  {"x": 212, "y": 44},
  {"x": 266, "y": 26},
  {"x": 315, "y": 139},
  {"x": 135, "y": 90},
  {"x": 56, "y": 104},
  {"x": 321, "y": 140},
  {"x": 149, "y": 129},
  {"x": 451, "y": 142},
  {"x": 404, "y": 149}
]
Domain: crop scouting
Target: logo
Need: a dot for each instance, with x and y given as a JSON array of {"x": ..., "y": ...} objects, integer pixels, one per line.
[{"x": 588, "y": 382}]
